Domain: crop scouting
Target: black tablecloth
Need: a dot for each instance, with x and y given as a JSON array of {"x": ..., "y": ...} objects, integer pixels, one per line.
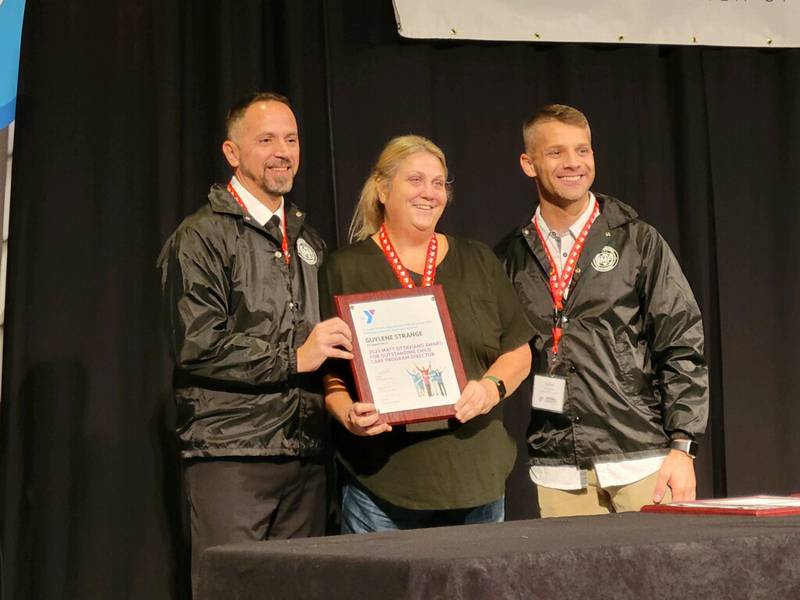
[{"x": 634, "y": 555}]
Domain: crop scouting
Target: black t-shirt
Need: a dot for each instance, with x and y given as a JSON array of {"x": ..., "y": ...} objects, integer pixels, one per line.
[{"x": 467, "y": 464}]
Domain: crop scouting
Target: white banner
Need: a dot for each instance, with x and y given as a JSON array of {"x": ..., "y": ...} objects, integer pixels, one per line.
[{"x": 761, "y": 23}]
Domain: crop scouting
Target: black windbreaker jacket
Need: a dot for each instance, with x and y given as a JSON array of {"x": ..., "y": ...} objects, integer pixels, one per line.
[
  {"x": 632, "y": 348},
  {"x": 235, "y": 315}
]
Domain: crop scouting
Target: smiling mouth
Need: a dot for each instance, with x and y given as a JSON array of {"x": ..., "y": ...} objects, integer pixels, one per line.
[
  {"x": 425, "y": 207},
  {"x": 571, "y": 178}
]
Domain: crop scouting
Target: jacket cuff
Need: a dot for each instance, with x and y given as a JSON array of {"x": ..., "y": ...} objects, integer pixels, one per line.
[
  {"x": 292, "y": 361},
  {"x": 679, "y": 434}
]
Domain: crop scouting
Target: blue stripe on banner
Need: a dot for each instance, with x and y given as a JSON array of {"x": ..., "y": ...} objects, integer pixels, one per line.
[
  {"x": 7, "y": 113},
  {"x": 11, "y": 15}
]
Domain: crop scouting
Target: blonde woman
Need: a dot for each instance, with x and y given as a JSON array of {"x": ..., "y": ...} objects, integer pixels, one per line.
[{"x": 398, "y": 478}]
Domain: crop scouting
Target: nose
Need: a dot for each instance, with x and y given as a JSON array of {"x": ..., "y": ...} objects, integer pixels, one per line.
[
  {"x": 429, "y": 190},
  {"x": 281, "y": 148},
  {"x": 571, "y": 159}
]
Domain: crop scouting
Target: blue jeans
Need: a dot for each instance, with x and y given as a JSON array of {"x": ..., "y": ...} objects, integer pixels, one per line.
[{"x": 363, "y": 512}]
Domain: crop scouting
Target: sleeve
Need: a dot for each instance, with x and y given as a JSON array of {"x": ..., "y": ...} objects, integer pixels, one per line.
[
  {"x": 516, "y": 329},
  {"x": 195, "y": 291},
  {"x": 674, "y": 329},
  {"x": 329, "y": 286}
]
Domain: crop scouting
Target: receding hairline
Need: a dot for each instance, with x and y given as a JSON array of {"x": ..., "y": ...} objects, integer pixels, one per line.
[{"x": 239, "y": 109}]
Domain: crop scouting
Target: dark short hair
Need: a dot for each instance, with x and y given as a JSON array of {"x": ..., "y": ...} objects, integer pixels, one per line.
[
  {"x": 554, "y": 112},
  {"x": 237, "y": 111}
]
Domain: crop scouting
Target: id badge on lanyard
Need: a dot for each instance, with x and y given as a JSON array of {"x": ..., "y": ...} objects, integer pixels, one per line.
[{"x": 549, "y": 391}]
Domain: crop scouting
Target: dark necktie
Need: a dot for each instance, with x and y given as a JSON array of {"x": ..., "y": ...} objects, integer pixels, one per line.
[{"x": 273, "y": 227}]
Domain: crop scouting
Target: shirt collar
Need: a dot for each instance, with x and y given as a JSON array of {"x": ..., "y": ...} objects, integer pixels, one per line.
[
  {"x": 260, "y": 213},
  {"x": 574, "y": 229}
]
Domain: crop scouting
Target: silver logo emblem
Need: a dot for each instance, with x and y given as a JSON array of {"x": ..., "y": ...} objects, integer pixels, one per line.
[
  {"x": 306, "y": 252},
  {"x": 606, "y": 259}
]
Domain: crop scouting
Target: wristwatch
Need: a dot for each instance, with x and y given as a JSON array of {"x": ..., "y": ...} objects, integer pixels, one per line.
[
  {"x": 687, "y": 446},
  {"x": 501, "y": 387}
]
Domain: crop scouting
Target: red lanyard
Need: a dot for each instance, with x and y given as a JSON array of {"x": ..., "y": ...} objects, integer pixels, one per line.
[
  {"x": 284, "y": 242},
  {"x": 397, "y": 266},
  {"x": 559, "y": 285}
]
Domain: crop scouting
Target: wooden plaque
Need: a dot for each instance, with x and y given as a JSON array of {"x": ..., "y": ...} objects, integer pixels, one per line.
[{"x": 406, "y": 359}]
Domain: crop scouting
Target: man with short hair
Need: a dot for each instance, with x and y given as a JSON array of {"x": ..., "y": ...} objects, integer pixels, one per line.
[
  {"x": 239, "y": 287},
  {"x": 620, "y": 388}
]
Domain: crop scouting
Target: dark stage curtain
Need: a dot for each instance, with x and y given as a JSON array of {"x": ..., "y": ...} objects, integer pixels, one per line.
[{"x": 118, "y": 131}]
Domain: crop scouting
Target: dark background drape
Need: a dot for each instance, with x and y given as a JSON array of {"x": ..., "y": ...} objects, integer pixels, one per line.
[{"x": 119, "y": 124}]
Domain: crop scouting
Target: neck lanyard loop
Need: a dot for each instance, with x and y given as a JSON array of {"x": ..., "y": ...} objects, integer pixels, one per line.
[
  {"x": 559, "y": 284},
  {"x": 429, "y": 274},
  {"x": 284, "y": 241}
]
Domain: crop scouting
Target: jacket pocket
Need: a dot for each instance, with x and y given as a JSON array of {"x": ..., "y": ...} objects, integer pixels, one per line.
[{"x": 629, "y": 374}]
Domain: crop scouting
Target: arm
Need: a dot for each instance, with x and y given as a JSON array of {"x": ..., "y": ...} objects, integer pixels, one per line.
[
  {"x": 479, "y": 397},
  {"x": 674, "y": 329},
  {"x": 195, "y": 292},
  {"x": 359, "y": 418}
]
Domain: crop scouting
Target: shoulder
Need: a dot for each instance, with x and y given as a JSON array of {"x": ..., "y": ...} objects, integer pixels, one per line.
[
  {"x": 205, "y": 224},
  {"x": 353, "y": 254},
  {"x": 511, "y": 243},
  {"x": 307, "y": 231},
  {"x": 203, "y": 233},
  {"x": 641, "y": 237},
  {"x": 469, "y": 246},
  {"x": 475, "y": 253}
]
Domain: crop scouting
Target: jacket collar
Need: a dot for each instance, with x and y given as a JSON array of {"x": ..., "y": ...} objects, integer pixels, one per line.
[
  {"x": 222, "y": 202},
  {"x": 613, "y": 214}
]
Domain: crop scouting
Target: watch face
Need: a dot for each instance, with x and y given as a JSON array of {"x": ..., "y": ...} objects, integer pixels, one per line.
[{"x": 501, "y": 387}]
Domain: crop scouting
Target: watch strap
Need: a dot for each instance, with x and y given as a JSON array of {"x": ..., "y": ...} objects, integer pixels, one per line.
[
  {"x": 687, "y": 446},
  {"x": 501, "y": 386}
]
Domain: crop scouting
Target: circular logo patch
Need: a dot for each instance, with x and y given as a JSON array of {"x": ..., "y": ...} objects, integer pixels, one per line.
[
  {"x": 306, "y": 252},
  {"x": 606, "y": 259}
]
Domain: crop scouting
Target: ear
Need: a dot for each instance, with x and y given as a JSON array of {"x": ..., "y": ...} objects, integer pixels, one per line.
[
  {"x": 383, "y": 191},
  {"x": 527, "y": 165},
  {"x": 231, "y": 152}
]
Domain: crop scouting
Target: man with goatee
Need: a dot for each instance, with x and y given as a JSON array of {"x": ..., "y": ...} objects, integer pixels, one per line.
[{"x": 239, "y": 282}]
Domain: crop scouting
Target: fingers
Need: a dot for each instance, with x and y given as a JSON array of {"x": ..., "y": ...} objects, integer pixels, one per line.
[
  {"x": 475, "y": 400},
  {"x": 661, "y": 487},
  {"x": 328, "y": 339},
  {"x": 678, "y": 473},
  {"x": 335, "y": 326},
  {"x": 683, "y": 492},
  {"x": 363, "y": 419}
]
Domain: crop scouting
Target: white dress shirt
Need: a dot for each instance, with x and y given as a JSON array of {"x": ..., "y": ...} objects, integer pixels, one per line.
[
  {"x": 257, "y": 210},
  {"x": 568, "y": 477}
]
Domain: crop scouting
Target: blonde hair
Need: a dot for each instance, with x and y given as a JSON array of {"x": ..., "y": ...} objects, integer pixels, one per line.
[{"x": 368, "y": 215}]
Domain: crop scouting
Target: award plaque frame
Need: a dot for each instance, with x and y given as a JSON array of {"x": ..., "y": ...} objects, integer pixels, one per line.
[
  {"x": 749, "y": 506},
  {"x": 395, "y": 353}
]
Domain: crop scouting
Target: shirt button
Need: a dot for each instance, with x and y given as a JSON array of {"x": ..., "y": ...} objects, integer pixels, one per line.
[
  {"x": 278, "y": 254},
  {"x": 564, "y": 254},
  {"x": 291, "y": 305},
  {"x": 576, "y": 419}
]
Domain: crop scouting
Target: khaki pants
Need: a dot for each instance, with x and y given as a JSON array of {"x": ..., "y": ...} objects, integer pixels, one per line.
[{"x": 594, "y": 500}]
